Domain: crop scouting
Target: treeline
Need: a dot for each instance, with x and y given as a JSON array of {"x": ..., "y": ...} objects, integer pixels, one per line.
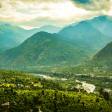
[{"x": 50, "y": 101}]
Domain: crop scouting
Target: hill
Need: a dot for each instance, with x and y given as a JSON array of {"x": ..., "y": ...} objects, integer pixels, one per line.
[
  {"x": 104, "y": 56},
  {"x": 44, "y": 49}
]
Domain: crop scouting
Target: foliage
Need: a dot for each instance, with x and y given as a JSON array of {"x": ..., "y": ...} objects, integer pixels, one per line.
[{"x": 22, "y": 92}]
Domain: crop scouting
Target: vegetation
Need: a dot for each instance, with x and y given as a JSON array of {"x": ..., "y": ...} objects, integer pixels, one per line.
[
  {"x": 42, "y": 49},
  {"x": 22, "y": 92},
  {"x": 60, "y": 73}
]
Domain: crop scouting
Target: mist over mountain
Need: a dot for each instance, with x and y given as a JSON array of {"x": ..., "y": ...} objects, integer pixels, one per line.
[
  {"x": 11, "y": 35},
  {"x": 47, "y": 28},
  {"x": 95, "y": 32}
]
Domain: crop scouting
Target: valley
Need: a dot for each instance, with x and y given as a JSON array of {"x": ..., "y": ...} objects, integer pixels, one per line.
[
  {"x": 99, "y": 81},
  {"x": 55, "y": 69}
]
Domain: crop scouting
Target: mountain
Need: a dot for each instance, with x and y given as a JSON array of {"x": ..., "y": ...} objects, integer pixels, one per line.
[
  {"x": 95, "y": 32},
  {"x": 43, "y": 49},
  {"x": 104, "y": 56},
  {"x": 11, "y": 36},
  {"x": 103, "y": 24},
  {"x": 102, "y": 60},
  {"x": 71, "y": 46}
]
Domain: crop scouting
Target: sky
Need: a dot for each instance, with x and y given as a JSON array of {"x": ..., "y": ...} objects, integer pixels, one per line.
[{"x": 36, "y": 13}]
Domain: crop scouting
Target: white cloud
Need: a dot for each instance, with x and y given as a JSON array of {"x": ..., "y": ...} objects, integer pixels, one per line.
[{"x": 39, "y": 12}]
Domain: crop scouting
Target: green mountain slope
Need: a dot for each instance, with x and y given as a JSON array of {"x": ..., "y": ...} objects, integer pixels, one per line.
[
  {"x": 104, "y": 56},
  {"x": 44, "y": 49},
  {"x": 71, "y": 46}
]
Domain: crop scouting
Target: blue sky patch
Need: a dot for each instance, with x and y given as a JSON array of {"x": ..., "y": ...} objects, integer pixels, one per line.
[{"x": 82, "y": 1}]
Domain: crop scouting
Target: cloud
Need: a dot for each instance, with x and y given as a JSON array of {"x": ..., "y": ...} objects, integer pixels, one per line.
[
  {"x": 37, "y": 12},
  {"x": 94, "y": 5},
  {"x": 34, "y": 13}
]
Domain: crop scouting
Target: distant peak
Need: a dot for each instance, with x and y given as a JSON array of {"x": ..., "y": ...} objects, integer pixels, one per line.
[
  {"x": 42, "y": 33},
  {"x": 103, "y": 17}
]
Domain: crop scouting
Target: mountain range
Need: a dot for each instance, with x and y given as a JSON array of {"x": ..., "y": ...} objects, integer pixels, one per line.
[
  {"x": 43, "y": 49},
  {"x": 12, "y": 35},
  {"x": 73, "y": 45},
  {"x": 94, "y": 33}
]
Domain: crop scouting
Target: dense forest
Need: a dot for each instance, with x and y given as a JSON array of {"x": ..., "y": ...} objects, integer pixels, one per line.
[{"x": 22, "y": 92}]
